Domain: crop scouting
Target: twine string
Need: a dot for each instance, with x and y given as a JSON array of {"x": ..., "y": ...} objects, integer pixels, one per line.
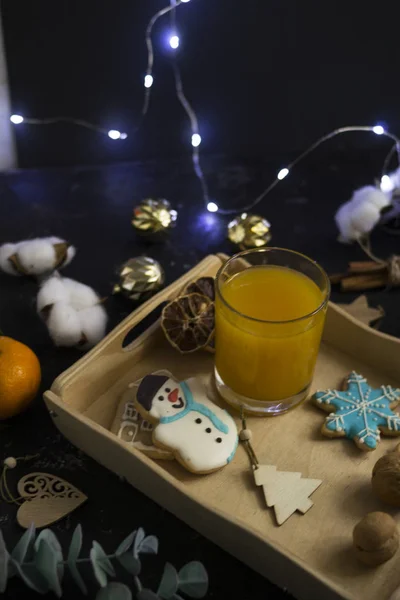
[
  {"x": 246, "y": 442},
  {"x": 5, "y": 493}
]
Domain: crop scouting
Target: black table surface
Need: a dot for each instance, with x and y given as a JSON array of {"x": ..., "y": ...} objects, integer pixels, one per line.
[{"x": 91, "y": 208}]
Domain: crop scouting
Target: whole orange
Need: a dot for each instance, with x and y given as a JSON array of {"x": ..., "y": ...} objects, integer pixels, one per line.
[{"x": 19, "y": 376}]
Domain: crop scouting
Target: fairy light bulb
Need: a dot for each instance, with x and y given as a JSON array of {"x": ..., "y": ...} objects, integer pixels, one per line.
[
  {"x": 185, "y": 1},
  {"x": 16, "y": 119},
  {"x": 387, "y": 184},
  {"x": 114, "y": 134},
  {"x": 174, "y": 42},
  {"x": 196, "y": 140},
  {"x": 283, "y": 173},
  {"x": 212, "y": 207},
  {"x": 378, "y": 129},
  {"x": 148, "y": 81}
]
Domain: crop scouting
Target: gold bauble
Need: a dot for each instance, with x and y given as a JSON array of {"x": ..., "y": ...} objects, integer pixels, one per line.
[
  {"x": 249, "y": 231},
  {"x": 139, "y": 278},
  {"x": 153, "y": 216}
]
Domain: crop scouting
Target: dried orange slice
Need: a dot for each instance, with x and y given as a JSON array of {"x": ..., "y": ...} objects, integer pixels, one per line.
[
  {"x": 188, "y": 322},
  {"x": 203, "y": 285}
]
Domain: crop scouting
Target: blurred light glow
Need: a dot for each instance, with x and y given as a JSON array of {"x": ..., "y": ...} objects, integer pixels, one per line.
[
  {"x": 196, "y": 140},
  {"x": 123, "y": 136},
  {"x": 212, "y": 207},
  {"x": 16, "y": 119},
  {"x": 114, "y": 134},
  {"x": 148, "y": 81},
  {"x": 378, "y": 129},
  {"x": 174, "y": 42},
  {"x": 185, "y": 0},
  {"x": 283, "y": 173},
  {"x": 387, "y": 184}
]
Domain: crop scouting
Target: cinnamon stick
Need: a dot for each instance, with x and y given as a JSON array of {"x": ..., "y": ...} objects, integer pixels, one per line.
[
  {"x": 366, "y": 266},
  {"x": 368, "y": 281}
]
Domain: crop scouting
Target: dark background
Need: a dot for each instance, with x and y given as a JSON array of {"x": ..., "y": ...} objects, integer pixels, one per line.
[{"x": 266, "y": 78}]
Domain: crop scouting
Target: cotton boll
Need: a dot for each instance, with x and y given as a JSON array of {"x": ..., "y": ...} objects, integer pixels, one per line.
[
  {"x": 357, "y": 217},
  {"x": 80, "y": 295},
  {"x": 7, "y": 250},
  {"x": 343, "y": 221},
  {"x": 93, "y": 322},
  {"x": 52, "y": 290},
  {"x": 372, "y": 195},
  {"x": 36, "y": 256},
  {"x": 64, "y": 325},
  {"x": 364, "y": 218},
  {"x": 71, "y": 251}
]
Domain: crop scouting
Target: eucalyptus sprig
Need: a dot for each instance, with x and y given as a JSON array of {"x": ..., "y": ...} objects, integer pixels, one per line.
[{"x": 39, "y": 562}]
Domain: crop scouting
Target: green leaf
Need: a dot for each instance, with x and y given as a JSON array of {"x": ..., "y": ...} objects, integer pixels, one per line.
[
  {"x": 145, "y": 594},
  {"x": 46, "y": 535},
  {"x": 149, "y": 545},
  {"x": 4, "y": 556},
  {"x": 73, "y": 554},
  {"x": 138, "y": 540},
  {"x": 101, "y": 564},
  {"x": 125, "y": 544},
  {"x": 31, "y": 577},
  {"x": 46, "y": 562},
  {"x": 169, "y": 582},
  {"x": 24, "y": 544},
  {"x": 114, "y": 591},
  {"x": 193, "y": 580},
  {"x": 130, "y": 563}
]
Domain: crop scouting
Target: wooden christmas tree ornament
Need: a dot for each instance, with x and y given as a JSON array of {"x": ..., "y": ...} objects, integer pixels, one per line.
[{"x": 285, "y": 491}]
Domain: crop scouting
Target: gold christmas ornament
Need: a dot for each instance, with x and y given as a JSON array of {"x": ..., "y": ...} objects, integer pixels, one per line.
[
  {"x": 249, "y": 231},
  {"x": 153, "y": 216},
  {"x": 139, "y": 277}
]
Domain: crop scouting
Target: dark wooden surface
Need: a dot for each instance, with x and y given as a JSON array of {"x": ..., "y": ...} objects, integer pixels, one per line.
[{"x": 91, "y": 207}]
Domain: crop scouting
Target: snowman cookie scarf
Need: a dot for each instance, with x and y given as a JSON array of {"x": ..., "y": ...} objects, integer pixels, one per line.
[{"x": 202, "y": 436}]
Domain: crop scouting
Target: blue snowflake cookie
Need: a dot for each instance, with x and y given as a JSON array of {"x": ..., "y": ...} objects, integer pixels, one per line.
[{"x": 360, "y": 412}]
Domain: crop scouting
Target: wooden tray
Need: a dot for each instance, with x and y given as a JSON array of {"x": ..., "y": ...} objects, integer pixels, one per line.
[{"x": 310, "y": 554}]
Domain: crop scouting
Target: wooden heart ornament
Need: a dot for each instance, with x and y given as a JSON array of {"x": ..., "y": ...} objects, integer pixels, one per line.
[{"x": 48, "y": 499}]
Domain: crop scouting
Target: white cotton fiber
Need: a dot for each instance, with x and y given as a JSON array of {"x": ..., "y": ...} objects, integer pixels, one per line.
[
  {"x": 357, "y": 217},
  {"x": 74, "y": 312},
  {"x": 80, "y": 295},
  {"x": 36, "y": 257},
  {"x": 64, "y": 325},
  {"x": 7, "y": 250},
  {"x": 51, "y": 291}
]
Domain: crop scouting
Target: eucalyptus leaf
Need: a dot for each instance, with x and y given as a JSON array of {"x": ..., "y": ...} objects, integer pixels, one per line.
[
  {"x": 138, "y": 541},
  {"x": 73, "y": 554},
  {"x": 23, "y": 545},
  {"x": 149, "y": 545},
  {"x": 145, "y": 594},
  {"x": 193, "y": 580},
  {"x": 31, "y": 578},
  {"x": 130, "y": 563},
  {"x": 114, "y": 591},
  {"x": 46, "y": 563},
  {"x": 103, "y": 559},
  {"x": 4, "y": 556},
  {"x": 125, "y": 544},
  {"x": 46, "y": 535},
  {"x": 169, "y": 582}
]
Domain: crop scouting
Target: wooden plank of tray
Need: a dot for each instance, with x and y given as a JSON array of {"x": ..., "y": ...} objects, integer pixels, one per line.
[{"x": 311, "y": 554}]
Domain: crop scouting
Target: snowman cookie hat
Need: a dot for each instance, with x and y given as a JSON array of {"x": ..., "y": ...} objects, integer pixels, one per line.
[{"x": 202, "y": 436}]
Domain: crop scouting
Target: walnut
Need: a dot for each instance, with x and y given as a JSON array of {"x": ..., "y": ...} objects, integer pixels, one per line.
[
  {"x": 386, "y": 478},
  {"x": 375, "y": 538}
]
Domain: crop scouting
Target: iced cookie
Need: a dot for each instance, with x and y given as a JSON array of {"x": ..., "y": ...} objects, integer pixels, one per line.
[
  {"x": 360, "y": 412},
  {"x": 202, "y": 436},
  {"x": 130, "y": 427}
]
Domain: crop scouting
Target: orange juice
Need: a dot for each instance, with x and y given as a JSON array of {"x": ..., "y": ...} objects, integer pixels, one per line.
[{"x": 267, "y": 338}]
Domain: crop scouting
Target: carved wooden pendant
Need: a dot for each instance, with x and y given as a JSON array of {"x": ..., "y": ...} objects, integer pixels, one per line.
[
  {"x": 48, "y": 499},
  {"x": 285, "y": 491}
]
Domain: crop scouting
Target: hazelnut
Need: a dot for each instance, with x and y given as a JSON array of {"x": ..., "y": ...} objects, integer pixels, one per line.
[
  {"x": 386, "y": 478},
  {"x": 375, "y": 538}
]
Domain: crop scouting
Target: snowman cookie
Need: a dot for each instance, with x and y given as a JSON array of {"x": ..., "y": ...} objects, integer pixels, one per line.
[{"x": 202, "y": 436}]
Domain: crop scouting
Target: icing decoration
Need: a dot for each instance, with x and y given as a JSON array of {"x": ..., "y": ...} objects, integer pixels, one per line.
[
  {"x": 202, "y": 436},
  {"x": 362, "y": 412},
  {"x": 196, "y": 406}
]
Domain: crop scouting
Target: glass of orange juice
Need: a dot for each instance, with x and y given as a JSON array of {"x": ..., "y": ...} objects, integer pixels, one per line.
[{"x": 269, "y": 316}]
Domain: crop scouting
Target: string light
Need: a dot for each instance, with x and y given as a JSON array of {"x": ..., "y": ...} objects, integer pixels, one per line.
[
  {"x": 196, "y": 139},
  {"x": 148, "y": 81},
  {"x": 283, "y": 173},
  {"x": 378, "y": 129},
  {"x": 387, "y": 184},
  {"x": 174, "y": 42},
  {"x": 16, "y": 119},
  {"x": 212, "y": 207},
  {"x": 114, "y": 134}
]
